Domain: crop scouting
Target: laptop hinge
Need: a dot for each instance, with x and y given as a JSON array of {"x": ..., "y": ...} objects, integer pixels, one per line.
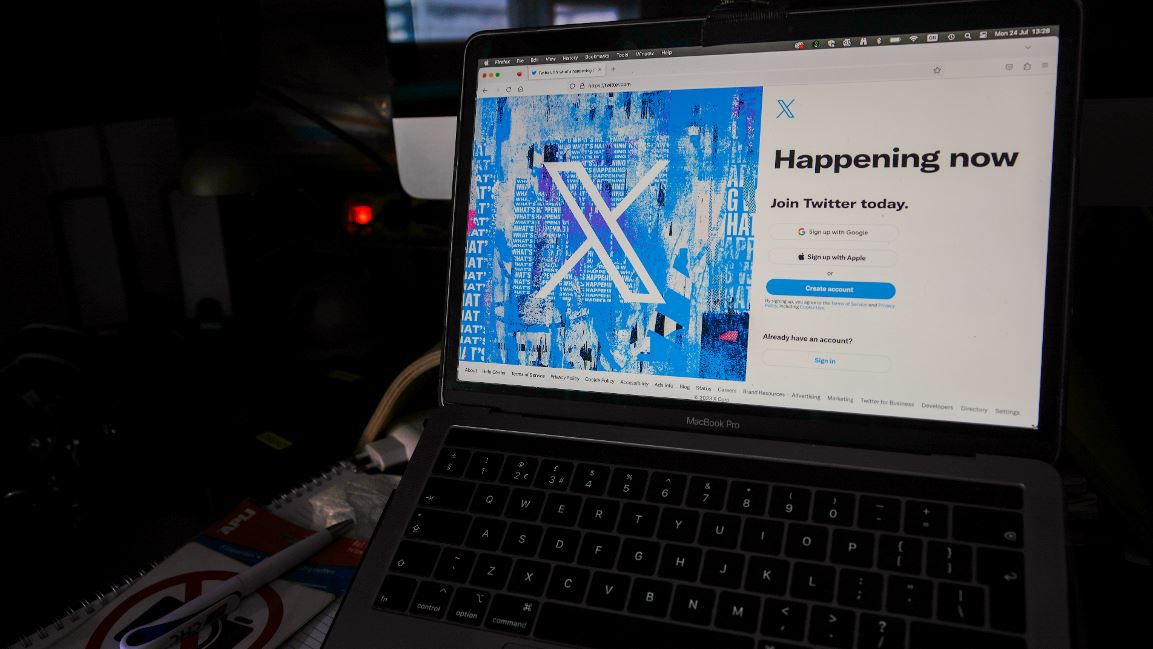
[{"x": 485, "y": 410}]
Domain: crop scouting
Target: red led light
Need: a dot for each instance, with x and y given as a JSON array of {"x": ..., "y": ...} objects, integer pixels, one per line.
[{"x": 360, "y": 214}]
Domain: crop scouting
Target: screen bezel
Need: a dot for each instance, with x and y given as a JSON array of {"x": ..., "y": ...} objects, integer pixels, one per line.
[{"x": 873, "y": 431}]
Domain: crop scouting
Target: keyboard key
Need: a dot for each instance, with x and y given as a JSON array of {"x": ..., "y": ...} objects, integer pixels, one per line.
[
  {"x": 554, "y": 475},
  {"x": 680, "y": 562},
  {"x": 666, "y": 489},
  {"x": 719, "y": 530},
  {"x": 455, "y": 565},
  {"x": 440, "y": 526},
  {"x": 469, "y": 606},
  {"x": 706, "y": 493},
  {"x": 522, "y": 539},
  {"x": 790, "y": 502},
  {"x": 693, "y": 605},
  {"x": 679, "y": 525},
  {"x": 762, "y": 536},
  {"x": 560, "y": 544},
  {"x": 638, "y": 519},
  {"x": 723, "y": 569},
  {"x": 638, "y": 557},
  {"x": 561, "y": 509},
  {"x": 879, "y": 513},
  {"x": 908, "y": 596},
  {"x": 738, "y": 612},
  {"x": 852, "y": 548},
  {"x": 899, "y": 554},
  {"x": 988, "y": 526},
  {"x": 484, "y": 466},
  {"x": 833, "y": 508},
  {"x": 811, "y": 581},
  {"x": 807, "y": 542},
  {"x": 1003, "y": 571},
  {"x": 568, "y": 583},
  {"x": 961, "y": 604},
  {"x": 784, "y": 619},
  {"x": 926, "y": 519},
  {"x": 831, "y": 627},
  {"x": 590, "y": 479},
  {"x": 598, "y": 550},
  {"x": 519, "y": 470},
  {"x": 528, "y": 577},
  {"x": 607, "y": 590},
  {"x": 923, "y": 635},
  {"x": 450, "y": 462},
  {"x": 650, "y": 597},
  {"x": 880, "y": 632},
  {"x": 628, "y": 484},
  {"x": 414, "y": 558},
  {"x": 860, "y": 589},
  {"x": 748, "y": 498},
  {"x": 395, "y": 593},
  {"x": 512, "y": 614},
  {"x": 431, "y": 599},
  {"x": 767, "y": 576},
  {"x": 491, "y": 571},
  {"x": 949, "y": 561},
  {"x": 524, "y": 504},
  {"x": 486, "y": 534},
  {"x": 585, "y": 627},
  {"x": 489, "y": 500},
  {"x": 599, "y": 514},
  {"x": 446, "y": 493}
]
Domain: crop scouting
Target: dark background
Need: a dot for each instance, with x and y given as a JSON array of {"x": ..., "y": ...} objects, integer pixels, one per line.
[{"x": 179, "y": 275}]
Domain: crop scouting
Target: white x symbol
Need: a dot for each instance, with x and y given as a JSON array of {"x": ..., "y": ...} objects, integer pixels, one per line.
[{"x": 555, "y": 169}]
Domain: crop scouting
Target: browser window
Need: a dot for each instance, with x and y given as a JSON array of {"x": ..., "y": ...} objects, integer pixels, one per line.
[{"x": 851, "y": 225}]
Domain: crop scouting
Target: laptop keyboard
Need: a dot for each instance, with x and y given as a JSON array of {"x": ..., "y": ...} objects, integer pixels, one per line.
[{"x": 609, "y": 545}]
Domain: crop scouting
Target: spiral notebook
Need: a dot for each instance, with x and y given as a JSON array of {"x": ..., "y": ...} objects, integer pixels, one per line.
[{"x": 294, "y": 506}]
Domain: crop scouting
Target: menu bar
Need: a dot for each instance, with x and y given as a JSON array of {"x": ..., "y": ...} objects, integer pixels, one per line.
[{"x": 883, "y": 40}]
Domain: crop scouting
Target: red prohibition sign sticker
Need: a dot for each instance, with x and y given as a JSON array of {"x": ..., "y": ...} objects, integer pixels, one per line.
[{"x": 193, "y": 583}]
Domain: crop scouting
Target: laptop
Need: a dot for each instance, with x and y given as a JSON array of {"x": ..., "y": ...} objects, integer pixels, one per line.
[{"x": 750, "y": 342}]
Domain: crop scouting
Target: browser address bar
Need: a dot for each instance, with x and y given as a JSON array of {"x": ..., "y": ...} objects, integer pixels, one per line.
[{"x": 567, "y": 71}]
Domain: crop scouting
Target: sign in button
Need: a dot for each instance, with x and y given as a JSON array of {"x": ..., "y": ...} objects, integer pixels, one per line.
[
  {"x": 824, "y": 361},
  {"x": 832, "y": 289}
]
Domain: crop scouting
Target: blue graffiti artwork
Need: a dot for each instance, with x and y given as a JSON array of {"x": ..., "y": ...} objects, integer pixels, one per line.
[{"x": 613, "y": 232}]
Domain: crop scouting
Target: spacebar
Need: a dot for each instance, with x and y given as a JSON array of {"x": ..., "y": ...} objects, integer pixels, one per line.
[{"x": 584, "y": 627}]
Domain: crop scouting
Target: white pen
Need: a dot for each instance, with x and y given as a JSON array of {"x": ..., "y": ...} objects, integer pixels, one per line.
[{"x": 190, "y": 618}]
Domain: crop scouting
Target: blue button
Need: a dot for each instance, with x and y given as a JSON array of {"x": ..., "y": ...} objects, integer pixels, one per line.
[{"x": 824, "y": 288}]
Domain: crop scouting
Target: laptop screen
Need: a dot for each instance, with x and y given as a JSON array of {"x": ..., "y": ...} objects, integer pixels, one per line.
[{"x": 854, "y": 225}]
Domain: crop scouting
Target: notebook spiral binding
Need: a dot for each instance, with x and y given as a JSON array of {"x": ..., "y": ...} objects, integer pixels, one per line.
[
  {"x": 86, "y": 607},
  {"x": 312, "y": 485}
]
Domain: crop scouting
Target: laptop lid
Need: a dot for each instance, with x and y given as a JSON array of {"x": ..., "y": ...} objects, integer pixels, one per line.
[{"x": 854, "y": 230}]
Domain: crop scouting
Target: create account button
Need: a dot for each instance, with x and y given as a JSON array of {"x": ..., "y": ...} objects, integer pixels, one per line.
[{"x": 832, "y": 289}]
